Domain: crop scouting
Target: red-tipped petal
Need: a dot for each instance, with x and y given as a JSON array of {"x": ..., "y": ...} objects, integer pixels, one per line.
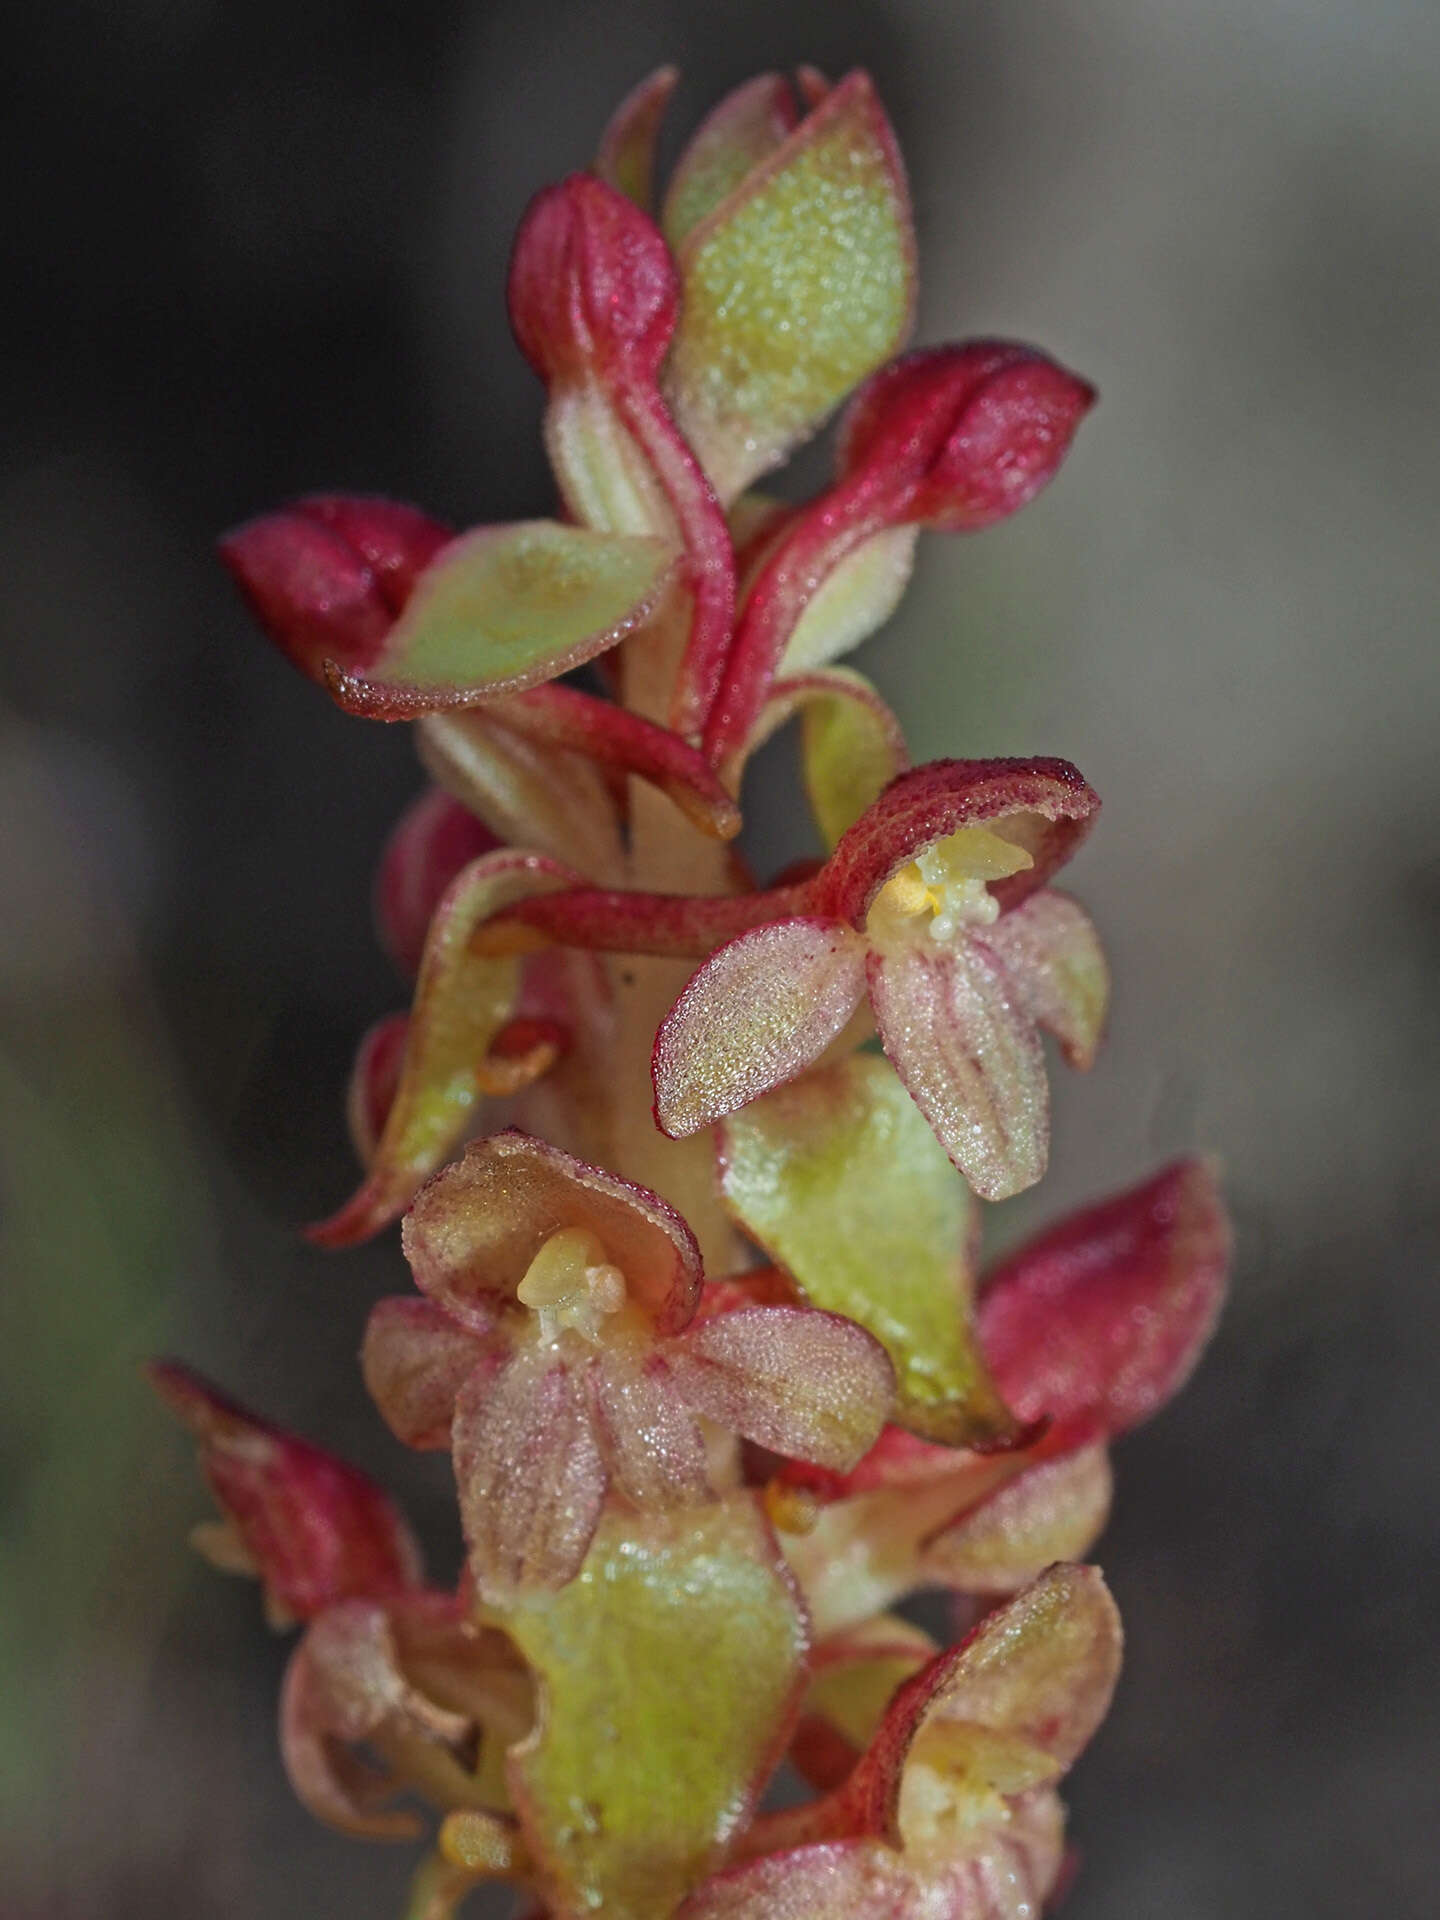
[
  {"x": 1052, "y": 957},
  {"x": 501, "y": 609},
  {"x": 477, "y": 1226},
  {"x": 970, "y": 1060},
  {"x": 745, "y": 128},
  {"x": 626, "y": 157},
  {"x": 648, "y": 1436},
  {"x": 1097, "y": 1323},
  {"x": 757, "y": 1013},
  {"x": 395, "y": 541},
  {"x": 415, "y": 1359},
  {"x": 1044, "y": 806},
  {"x": 327, "y": 577},
  {"x": 593, "y": 300},
  {"x": 529, "y": 1472},
  {"x": 431, "y": 842},
  {"x": 374, "y": 1082},
  {"x": 808, "y": 1384},
  {"x": 317, "y": 1529}
]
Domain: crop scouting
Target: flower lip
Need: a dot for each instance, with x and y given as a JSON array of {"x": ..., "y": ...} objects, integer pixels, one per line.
[
  {"x": 476, "y": 1230},
  {"x": 1045, "y": 805}
]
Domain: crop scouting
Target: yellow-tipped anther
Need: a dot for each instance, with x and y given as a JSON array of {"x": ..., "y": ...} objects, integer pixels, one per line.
[
  {"x": 790, "y": 1509},
  {"x": 556, "y": 1276},
  {"x": 571, "y": 1284}
]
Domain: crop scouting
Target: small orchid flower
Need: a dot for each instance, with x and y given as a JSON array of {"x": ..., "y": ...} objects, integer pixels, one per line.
[
  {"x": 931, "y": 906},
  {"x": 553, "y": 1352},
  {"x": 953, "y": 1809},
  {"x": 391, "y": 1689}
]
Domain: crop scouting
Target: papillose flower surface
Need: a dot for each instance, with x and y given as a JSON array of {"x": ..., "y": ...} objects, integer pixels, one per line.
[{"x": 690, "y": 1170}]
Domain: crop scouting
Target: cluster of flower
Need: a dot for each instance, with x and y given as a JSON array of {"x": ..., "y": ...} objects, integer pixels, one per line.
[{"x": 720, "y": 1379}]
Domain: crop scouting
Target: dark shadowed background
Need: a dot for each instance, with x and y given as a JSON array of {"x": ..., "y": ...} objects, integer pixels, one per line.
[{"x": 253, "y": 249}]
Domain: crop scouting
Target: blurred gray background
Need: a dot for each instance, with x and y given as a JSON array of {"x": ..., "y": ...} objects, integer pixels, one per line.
[{"x": 256, "y": 249}]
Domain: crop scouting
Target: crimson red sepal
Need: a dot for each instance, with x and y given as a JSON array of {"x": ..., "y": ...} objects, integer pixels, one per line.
[
  {"x": 1099, "y": 1322},
  {"x": 594, "y": 297},
  {"x": 612, "y": 736},
  {"x": 929, "y": 803},
  {"x": 675, "y": 926},
  {"x": 327, "y": 576},
  {"x": 316, "y": 1529},
  {"x": 429, "y": 844},
  {"x": 374, "y": 1082},
  {"x": 953, "y": 438}
]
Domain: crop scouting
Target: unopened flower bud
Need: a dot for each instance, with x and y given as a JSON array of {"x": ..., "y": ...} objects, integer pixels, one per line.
[
  {"x": 327, "y": 577},
  {"x": 958, "y": 437}
]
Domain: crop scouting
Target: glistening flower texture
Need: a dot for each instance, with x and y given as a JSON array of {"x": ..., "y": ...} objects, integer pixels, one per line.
[{"x": 690, "y": 1171}]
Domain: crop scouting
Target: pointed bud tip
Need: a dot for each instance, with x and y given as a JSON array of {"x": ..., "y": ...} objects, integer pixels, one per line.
[{"x": 592, "y": 285}]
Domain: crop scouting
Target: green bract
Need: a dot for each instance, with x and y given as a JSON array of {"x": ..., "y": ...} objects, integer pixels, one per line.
[{"x": 841, "y": 1181}]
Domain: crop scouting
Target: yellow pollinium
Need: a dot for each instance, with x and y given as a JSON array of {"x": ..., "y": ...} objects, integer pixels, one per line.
[
  {"x": 570, "y": 1283},
  {"x": 950, "y": 882}
]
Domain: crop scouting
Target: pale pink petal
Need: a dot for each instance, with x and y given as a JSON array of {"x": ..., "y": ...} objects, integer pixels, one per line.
[
  {"x": 1029, "y": 1685},
  {"x": 415, "y": 1359},
  {"x": 652, "y": 1446},
  {"x": 842, "y": 1880},
  {"x": 795, "y": 1380},
  {"x": 1055, "y": 1510},
  {"x": 969, "y": 1057},
  {"x": 329, "y": 1781},
  {"x": 529, "y": 1473},
  {"x": 757, "y": 1013},
  {"x": 1052, "y": 956}
]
